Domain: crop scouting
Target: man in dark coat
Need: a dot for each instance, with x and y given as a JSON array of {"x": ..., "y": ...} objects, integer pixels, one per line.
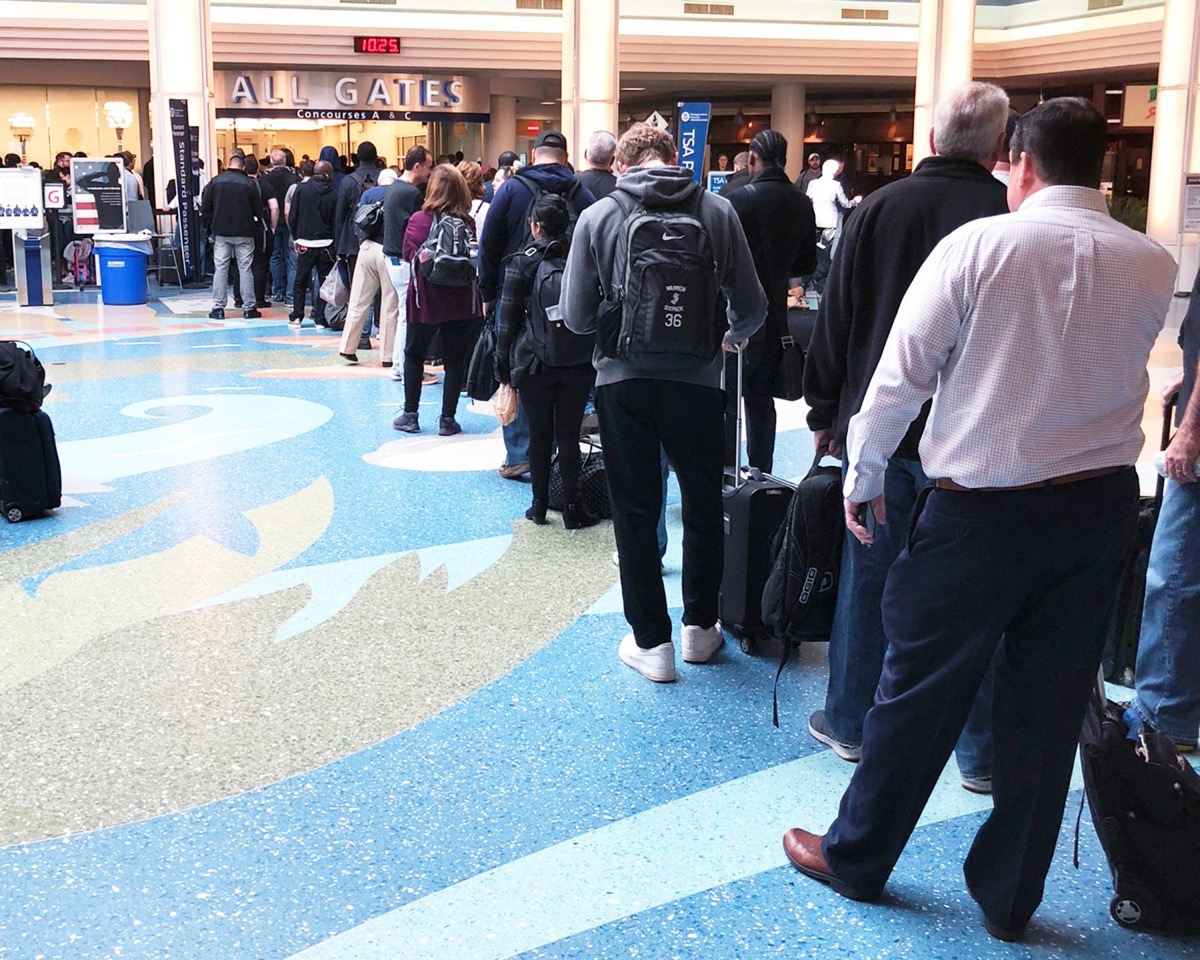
[
  {"x": 505, "y": 231},
  {"x": 883, "y": 246},
  {"x": 782, "y": 233},
  {"x": 232, "y": 210}
]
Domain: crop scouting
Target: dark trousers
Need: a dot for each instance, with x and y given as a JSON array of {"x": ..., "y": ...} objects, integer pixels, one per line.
[
  {"x": 1022, "y": 581},
  {"x": 416, "y": 348},
  {"x": 761, "y": 360},
  {"x": 308, "y": 259},
  {"x": 554, "y": 403},
  {"x": 636, "y": 417}
]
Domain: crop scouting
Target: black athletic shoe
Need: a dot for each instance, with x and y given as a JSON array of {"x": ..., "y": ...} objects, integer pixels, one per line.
[
  {"x": 250, "y": 314},
  {"x": 216, "y": 313}
]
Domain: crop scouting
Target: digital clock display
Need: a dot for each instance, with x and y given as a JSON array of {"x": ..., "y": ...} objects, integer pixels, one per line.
[{"x": 376, "y": 44}]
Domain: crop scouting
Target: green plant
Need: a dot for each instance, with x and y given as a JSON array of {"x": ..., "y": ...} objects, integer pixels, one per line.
[{"x": 1131, "y": 211}]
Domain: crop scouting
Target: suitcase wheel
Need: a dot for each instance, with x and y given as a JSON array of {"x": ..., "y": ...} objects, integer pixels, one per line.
[
  {"x": 746, "y": 642},
  {"x": 1134, "y": 908},
  {"x": 13, "y": 513}
]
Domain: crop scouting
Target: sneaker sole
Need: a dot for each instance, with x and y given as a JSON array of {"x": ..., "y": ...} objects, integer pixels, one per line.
[{"x": 846, "y": 753}]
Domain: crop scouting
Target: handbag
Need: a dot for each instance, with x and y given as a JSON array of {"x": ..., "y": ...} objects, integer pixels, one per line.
[
  {"x": 788, "y": 383},
  {"x": 593, "y": 483},
  {"x": 335, "y": 290},
  {"x": 481, "y": 372},
  {"x": 504, "y": 404}
]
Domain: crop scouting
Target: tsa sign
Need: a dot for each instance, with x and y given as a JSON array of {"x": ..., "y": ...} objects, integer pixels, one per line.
[
  {"x": 693, "y": 136},
  {"x": 21, "y": 205}
]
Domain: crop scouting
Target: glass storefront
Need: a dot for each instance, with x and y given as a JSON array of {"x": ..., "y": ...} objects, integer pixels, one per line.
[{"x": 70, "y": 118}]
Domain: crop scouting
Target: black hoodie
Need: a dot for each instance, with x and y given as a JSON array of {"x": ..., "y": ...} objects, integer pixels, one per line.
[{"x": 310, "y": 216}]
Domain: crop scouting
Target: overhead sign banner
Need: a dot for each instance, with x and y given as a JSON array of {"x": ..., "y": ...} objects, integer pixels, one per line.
[
  {"x": 317, "y": 95},
  {"x": 98, "y": 194},
  {"x": 693, "y": 136},
  {"x": 181, "y": 149},
  {"x": 1139, "y": 105},
  {"x": 21, "y": 202}
]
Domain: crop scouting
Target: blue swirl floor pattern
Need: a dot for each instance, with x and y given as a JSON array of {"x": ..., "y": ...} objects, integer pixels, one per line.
[{"x": 566, "y": 809}]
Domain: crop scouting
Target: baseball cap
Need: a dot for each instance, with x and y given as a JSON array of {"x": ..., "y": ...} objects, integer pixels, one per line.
[{"x": 552, "y": 139}]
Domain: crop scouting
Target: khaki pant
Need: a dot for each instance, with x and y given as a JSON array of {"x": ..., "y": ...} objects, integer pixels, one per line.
[{"x": 371, "y": 278}]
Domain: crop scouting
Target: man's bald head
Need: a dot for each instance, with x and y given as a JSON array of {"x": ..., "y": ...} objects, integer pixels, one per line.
[{"x": 323, "y": 169}]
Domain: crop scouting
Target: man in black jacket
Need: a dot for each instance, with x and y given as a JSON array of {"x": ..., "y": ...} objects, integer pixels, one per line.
[
  {"x": 350, "y": 191},
  {"x": 883, "y": 246},
  {"x": 505, "y": 232},
  {"x": 782, "y": 233},
  {"x": 232, "y": 210},
  {"x": 310, "y": 222}
]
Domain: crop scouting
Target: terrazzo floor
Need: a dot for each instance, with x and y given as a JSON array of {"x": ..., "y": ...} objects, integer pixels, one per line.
[{"x": 278, "y": 682}]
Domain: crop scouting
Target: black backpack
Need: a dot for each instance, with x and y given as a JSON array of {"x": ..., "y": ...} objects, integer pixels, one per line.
[
  {"x": 368, "y": 221},
  {"x": 800, "y": 595},
  {"x": 552, "y": 342},
  {"x": 451, "y": 261},
  {"x": 663, "y": 299},
  {"x": 570, "y": 194},
  {"x": 22, "y": 377}
]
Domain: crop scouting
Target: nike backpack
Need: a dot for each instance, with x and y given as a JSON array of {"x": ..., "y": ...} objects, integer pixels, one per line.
[{"x": 663, "y": 299}]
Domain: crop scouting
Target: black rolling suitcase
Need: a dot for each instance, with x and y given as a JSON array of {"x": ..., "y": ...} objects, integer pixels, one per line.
[
  {"x": 754, "y": 506},
  {"x": 1125, "y": 627},
  {"x": 1145, "y": 805},
  {"x": 30, "y": 476}
]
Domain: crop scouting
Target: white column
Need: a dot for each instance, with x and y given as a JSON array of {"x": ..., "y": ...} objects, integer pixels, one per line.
[
  {"x": 1176, "y": 133},
  {"x": 590, "y": 75},
  {"x": 501, "y": 131},
  {"x": 180, "y": 69},
  {"x": 945, "y": 51},
  {"x": 787, "y": 116}
]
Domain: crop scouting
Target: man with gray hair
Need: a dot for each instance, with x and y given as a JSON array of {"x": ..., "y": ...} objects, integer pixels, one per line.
[
  {"x": 1031, "y": 333},
  {"x": 882, "y": 248},
  {"x": 597, "y": 173}
]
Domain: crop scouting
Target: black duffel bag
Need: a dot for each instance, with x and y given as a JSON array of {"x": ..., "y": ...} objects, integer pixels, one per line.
[
  {"x": 789, "y": 378},
  {"x": 593, "y": 484},
  {"x": 22, "y": 377},
  {"x": 481, "y": 372}
]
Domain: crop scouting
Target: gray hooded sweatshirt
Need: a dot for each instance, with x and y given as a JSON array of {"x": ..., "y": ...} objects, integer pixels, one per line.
[{"x": 590, "y": 265}]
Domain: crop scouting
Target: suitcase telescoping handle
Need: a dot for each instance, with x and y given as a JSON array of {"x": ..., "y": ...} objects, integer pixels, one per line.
[{"x": 737, "y": 443}]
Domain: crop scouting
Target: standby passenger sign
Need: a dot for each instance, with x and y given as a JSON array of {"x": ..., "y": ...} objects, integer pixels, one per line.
[{"x": 316, "y": 95}]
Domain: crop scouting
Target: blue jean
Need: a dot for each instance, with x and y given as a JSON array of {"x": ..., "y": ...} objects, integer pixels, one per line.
[
  {"x": 857, "y": 642},
  {"x": 283, "y": 263},
  {"x": 1168, "y": 662},
  {"x": 516, "y": 439}
]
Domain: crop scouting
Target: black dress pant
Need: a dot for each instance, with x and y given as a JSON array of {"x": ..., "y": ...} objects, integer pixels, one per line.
[
  {"x": 636, "y": 418},
  {"x": 761, "y": 360},
  {"x": 307, "y": 259},
  {"x": 1022, "y": 581},
  {"x": 553, "y": 401},
  {"x": 416, "y": 348}
]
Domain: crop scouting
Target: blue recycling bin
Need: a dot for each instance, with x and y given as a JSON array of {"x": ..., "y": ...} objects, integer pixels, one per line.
[{"x": 122, "y": 276}]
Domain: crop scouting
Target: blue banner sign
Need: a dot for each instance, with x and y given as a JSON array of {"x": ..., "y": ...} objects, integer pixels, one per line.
[{"x": 693, "y": 136}]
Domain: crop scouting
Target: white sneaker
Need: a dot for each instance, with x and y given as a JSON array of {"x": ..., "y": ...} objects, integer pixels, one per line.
[
  {"x": 657, "y": 663},
  {"x": 699, "y": 644},
  {"x": 398, "y": 373},
  {"x": 616, "y": 558}
]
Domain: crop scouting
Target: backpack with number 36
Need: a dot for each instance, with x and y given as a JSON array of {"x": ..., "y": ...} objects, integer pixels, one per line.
[{"x": 663, "y": 299}]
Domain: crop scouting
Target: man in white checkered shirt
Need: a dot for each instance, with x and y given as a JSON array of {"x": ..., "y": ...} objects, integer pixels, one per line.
[{"x": 1032, "y": 332}]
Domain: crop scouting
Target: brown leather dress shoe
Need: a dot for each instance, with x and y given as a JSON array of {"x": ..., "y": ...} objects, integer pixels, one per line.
[{"x": 803, "y": 849}]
